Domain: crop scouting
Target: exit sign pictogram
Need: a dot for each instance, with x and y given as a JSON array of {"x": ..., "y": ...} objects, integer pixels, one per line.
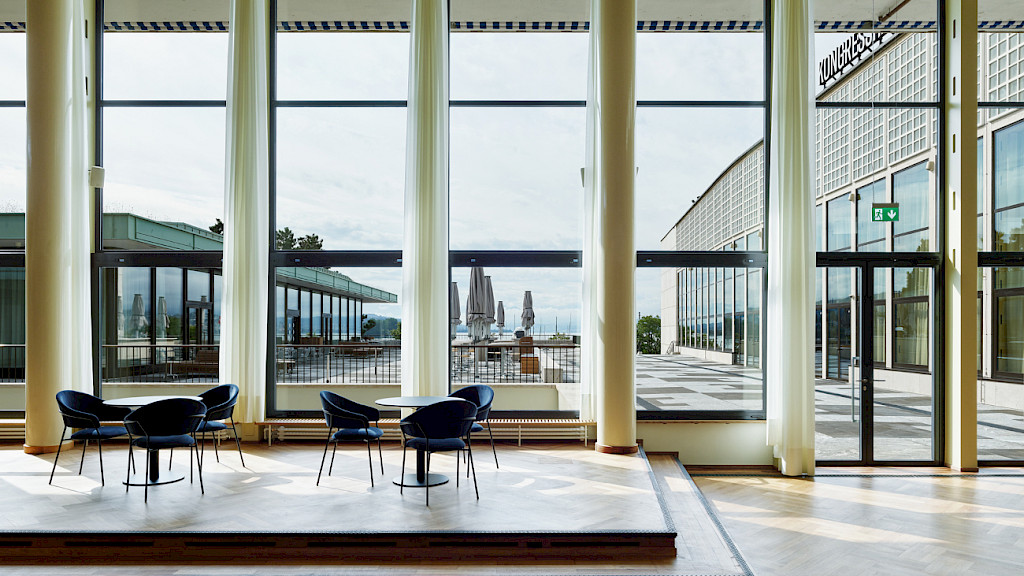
[{"x": 885, "y": 212}]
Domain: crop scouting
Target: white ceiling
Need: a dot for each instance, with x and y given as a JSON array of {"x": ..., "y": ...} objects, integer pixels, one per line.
[{"x": 530, "y": 10}]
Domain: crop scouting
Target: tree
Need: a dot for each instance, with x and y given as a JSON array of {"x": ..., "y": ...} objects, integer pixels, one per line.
[
  {"x": 396, "y": 332},
  {"x": 217, "y": 228},
  {"x": 285, "y": 239},
  {"x": 310, "y": 242},
  {"x": 648, "y": 335},
  {"x": 368, "y": 325}
]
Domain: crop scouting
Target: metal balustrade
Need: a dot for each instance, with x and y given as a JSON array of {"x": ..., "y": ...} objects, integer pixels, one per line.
[{"x": 344, "y": 363}]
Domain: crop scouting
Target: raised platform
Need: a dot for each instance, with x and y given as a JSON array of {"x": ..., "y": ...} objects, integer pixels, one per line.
[{"x": 545, "y": 502}]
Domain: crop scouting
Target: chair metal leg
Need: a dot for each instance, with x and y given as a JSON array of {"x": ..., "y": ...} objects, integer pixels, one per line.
[
  {"x": 238, "y": 445},
  {"x": 426, "y": 477},
  {"x": 369, "y": 457},
  {"x": 145, "y": 497},
  {"x": 62, "y": 432},
  {"x": 215, "y": 442},
  {"x": 169, "y": 459},
  {"x": 99, "y": 448},
  {"x": 131, "y": 455},
  {"x": 333, "y": 453},
  {"x": 473, "y": 467},
  {"x": 495, "y": 452},
  {"x": 202, "y": 489},
  {"x": 401, "y": 485},
  {"x": 381, "y": 456},
  {"x": 191, "y": 474},
  {"x": 328, "y": 443},
  {"x": 129, "y": 469},
  {"x": 82, "y": 463}
]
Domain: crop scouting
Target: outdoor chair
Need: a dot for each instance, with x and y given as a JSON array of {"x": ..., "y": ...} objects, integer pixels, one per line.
[
  {"x": 352, "y": 421},
  {"x": 482, "y": 396},
  {"x": 85, "y": 411},
  {"x": 440, "y": 427},
  {"x": 220, "y": 404},
  {"x": 170, "y": 423}
]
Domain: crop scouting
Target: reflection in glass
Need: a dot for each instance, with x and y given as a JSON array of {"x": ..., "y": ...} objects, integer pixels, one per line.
[
  {"x": 870, "y": 235},
  {"x": 912, "y": 191},
  {"x": 912, "y": 321},
  {"x": 1008, "y": 164}
]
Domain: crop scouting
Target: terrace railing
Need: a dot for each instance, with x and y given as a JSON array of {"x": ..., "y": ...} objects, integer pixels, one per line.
[{"x": 343, "y": 363}]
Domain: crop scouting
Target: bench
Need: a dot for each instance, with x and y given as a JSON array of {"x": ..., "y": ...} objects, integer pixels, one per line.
[
  {"x": 206, "y": 362},
  {"x": 502, "y": 428}
]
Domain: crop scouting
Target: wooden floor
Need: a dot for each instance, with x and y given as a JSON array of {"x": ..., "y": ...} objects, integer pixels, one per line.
[
  {"x": 843, "y": 521},
  {"x": 541, "y": 491},
  {"x": 884, "y": 521}
]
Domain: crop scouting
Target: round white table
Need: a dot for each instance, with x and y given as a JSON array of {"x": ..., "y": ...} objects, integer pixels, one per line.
[
  {"x": 420, "y": 479},
  {"x": 155, "y": 477}
]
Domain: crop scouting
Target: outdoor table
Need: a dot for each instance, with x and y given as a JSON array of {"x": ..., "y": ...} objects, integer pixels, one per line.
[
  {"x": 420, "y": 479},
  {"x": 155, "y": 477}
]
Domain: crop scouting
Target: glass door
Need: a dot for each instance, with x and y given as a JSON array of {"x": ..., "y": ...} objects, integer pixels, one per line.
[
  {"x": 837, "y": 386},
  {"x": 874, "y": 386}
]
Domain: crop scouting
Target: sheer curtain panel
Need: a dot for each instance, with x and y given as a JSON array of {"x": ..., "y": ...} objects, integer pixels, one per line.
[
  {"x": 425, "y": 320},
  {"x": 246, "y": 214},
  {"x": 791, "y": 264}
]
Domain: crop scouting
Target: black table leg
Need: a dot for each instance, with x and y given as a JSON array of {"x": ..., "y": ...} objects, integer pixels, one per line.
[
  {"x": 420, "y": 479},
  {"x": 155, "y": 474}
]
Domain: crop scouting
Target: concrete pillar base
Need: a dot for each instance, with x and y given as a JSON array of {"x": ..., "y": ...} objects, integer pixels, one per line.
[{"x": 617, "y": 449}]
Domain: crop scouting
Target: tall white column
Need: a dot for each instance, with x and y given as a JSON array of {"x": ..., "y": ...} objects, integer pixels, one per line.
[
  {"x": 609, "y": 256},
  {"x": 789, "y": 342},
  {"x": 961, "y": 229},
  {"x": 47, "y": 246},
  {"x": 425, "y": 247}
]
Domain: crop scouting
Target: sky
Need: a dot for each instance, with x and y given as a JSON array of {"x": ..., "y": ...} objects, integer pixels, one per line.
[{"x": 514, "y": 172}]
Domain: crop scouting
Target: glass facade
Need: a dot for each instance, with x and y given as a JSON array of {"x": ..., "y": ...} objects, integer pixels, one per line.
[{"x": 339, "y": 153}]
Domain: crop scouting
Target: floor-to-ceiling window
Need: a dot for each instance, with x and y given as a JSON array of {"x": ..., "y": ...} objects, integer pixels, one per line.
[
  {"x": 160, "y": 137},
  {"x": 517, "y": 143},
  {"x": 700, "y": 214},
  {"x": 12, "y": 219},
  {"x": 339, "y": 85},
  {"x": 877, "y": 146}
]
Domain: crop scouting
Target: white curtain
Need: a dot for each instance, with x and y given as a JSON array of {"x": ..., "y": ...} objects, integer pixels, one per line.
[
  {"x": 425, "y": 250},
  {"x": 78, "y": 235},
  {"x": 590, "y": 369},
  {"x": 246, "y": 218},
  {"x": 791, "y": 265}
]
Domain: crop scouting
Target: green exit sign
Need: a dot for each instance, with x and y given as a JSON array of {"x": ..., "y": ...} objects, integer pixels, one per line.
[{"x": 885, "y": 212}]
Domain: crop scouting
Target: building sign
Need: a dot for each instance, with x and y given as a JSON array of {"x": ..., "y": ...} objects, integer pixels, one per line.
[
  {"x": 849, "y": 52},
  {"x": 885, "y": 212}
]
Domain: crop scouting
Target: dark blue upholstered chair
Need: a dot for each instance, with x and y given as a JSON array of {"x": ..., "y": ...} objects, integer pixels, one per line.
[
  {"x": 352, "y": 421},
  {"x": 220, "y": 404},
  {"x": 170, "y": 423},
  {"x": 85, "y": 411},
  {"x": 483, "y": 396},
  {"x": 440, "y": 427}
]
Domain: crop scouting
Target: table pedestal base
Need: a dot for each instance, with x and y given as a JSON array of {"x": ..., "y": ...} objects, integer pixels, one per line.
[
  {"x": 412, "y": 481},
  {"x": 156, "y": 475}
]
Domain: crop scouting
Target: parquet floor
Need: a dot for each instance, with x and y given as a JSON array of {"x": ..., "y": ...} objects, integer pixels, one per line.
[
  {"x": 539, "y": 487},
  {"x": 883, "y": 521}
]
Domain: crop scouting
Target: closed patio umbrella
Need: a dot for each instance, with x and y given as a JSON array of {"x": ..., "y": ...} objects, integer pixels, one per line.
[
  {"x": 488, "y": 307},
  {"x": 527, "y": 316},
  {"x": 162, "y": 321},
  {"x": 476, "y": 311},
  {"x": 454, "y": 312},
  {"x": 499, "y": 317},
  {"x": 137, "y": 322}
]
